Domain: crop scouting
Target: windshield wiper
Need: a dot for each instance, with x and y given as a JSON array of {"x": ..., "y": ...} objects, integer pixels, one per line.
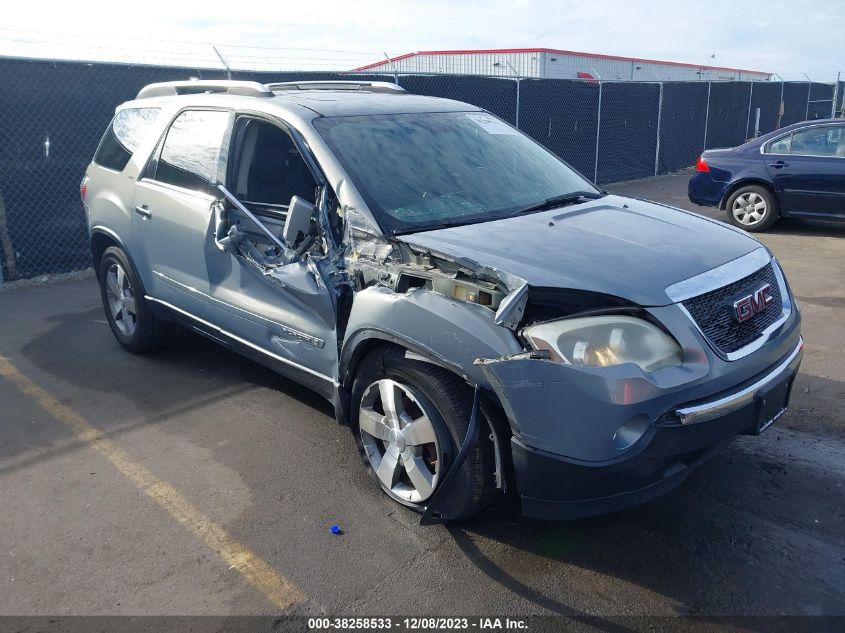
[
  {"x": 446, "y": 224},
  {"x": 574, "y": 197}
]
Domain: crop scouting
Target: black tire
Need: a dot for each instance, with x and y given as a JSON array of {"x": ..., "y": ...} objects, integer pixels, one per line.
[
  {"x": 148, "y": 332},
  {"x": 447, "y": 401},
  {"x": 755, "y": 194}
]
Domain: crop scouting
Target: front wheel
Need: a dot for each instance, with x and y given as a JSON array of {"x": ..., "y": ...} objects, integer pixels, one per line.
[
  {"x": 752, "y": 208},
  {"x": 409, "y": 420}
]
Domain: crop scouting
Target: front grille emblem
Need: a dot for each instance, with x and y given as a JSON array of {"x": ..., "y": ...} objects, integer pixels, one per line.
[{"x": 750, "y": 305}]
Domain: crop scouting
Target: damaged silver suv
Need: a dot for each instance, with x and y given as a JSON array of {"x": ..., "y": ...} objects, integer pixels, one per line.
[{"x": 481, "y": 316}]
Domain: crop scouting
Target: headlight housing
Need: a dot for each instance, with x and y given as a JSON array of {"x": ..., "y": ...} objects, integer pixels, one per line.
[{"x": 602, "y": 341}]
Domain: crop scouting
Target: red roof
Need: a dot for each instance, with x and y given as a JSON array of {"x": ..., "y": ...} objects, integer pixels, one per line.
[{"x": 559, "y": 52}]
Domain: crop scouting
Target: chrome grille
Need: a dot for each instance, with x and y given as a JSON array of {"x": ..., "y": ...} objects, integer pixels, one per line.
[{"x": 713, "y": 311}]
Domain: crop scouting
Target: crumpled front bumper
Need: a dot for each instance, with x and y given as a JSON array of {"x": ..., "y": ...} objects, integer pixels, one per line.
[{"x": 599, "y": 443}]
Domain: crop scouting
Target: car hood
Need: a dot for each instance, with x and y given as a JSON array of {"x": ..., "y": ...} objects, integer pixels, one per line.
[{"x": 624, "y": 247}]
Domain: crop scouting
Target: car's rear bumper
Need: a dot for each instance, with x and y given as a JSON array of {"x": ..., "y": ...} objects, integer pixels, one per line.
[
  {"x": 704, "y": 191},
  {"x": 555, "y": 487}
]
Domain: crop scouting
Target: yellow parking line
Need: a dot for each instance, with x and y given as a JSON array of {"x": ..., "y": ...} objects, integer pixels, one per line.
[{"x": 278, "y": 589}]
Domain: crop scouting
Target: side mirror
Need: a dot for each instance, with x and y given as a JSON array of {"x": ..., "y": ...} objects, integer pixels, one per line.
[{"x": 298, "y": 225}]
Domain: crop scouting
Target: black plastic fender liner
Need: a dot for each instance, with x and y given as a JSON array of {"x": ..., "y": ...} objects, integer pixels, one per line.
[{"x": 439, "y": 509}]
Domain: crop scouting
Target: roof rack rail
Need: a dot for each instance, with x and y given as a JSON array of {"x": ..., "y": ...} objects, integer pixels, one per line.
[
  {"x": 195, "y": 86},
  {"x": 360, "y": 86}
]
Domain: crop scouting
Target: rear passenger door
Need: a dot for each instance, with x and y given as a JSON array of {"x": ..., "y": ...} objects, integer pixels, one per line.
[
  {"x": 809, "y": 176},
  {"x": 173, "y": 224}
]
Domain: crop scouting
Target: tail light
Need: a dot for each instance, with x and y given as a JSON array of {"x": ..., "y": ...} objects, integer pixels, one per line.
[
  {"x": 83, "y": 188},
  {"x": 702, "y": 165}
]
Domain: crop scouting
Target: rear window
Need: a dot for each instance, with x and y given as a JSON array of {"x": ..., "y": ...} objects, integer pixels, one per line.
[{"x": 123, "y": 136}]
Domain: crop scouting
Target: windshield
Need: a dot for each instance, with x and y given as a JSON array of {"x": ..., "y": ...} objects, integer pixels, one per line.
[{"x": 428, "y": 170}]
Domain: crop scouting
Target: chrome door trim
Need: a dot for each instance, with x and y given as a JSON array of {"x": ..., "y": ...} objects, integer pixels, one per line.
[
  {"x": 303, "y": 336},
  {"x": 764, "y": 148},
  {"x": 242, "y": 341}
]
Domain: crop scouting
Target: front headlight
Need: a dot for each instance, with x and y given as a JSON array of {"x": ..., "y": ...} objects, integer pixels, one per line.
[{"x": 601, "y": 341}]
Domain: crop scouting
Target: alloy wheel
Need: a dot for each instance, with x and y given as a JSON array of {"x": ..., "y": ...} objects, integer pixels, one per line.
[
  {"x": 749, "y": 208},
  {"x": 121, "y": 299},
  {"x": 399, "y": 441}
]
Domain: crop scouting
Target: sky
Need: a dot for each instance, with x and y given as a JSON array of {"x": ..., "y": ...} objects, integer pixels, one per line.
[{"x": 790, "y": 38}]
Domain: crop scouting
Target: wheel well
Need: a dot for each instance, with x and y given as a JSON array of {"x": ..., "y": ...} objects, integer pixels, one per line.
[
  {"x": 494, "y": 412},
  {"x": 744, "y": 183},
  {"x": 364, "y": 349},
  {"x": 361, "y": 351},
  {"x": 99, "y": 243}
]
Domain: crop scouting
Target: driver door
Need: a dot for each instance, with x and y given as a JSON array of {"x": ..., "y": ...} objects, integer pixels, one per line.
[{"x": 281, "y": 310}]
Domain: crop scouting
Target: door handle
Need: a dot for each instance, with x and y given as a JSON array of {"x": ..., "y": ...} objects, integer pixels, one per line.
[
  {"x": 144, "y": 212},
  {"x": 779, "y": 164}
]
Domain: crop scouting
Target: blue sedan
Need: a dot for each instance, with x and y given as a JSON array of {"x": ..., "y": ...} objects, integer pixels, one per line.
[{"x": 796, "y": 171}]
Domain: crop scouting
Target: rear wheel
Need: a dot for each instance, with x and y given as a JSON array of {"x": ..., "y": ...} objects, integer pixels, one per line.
[
  {"x": 409, "y": 420},
  {"x": 130, "y": 317},
  {"x": 752, "y": 208}
]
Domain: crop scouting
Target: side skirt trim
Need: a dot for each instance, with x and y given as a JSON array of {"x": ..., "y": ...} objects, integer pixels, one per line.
[
  {"x": 311, "y": 340},
  {"x": 242, "y": 341}
]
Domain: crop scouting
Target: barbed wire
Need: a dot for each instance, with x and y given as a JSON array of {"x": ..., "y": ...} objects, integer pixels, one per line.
[
  {"x": 17, "y": 42},
  {"x": 73, "y": 47}
]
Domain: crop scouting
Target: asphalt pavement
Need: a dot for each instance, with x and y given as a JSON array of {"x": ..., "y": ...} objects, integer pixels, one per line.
[{"x": 193, "y": 481}]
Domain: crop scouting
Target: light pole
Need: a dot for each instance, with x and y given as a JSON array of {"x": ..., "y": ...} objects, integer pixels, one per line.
[
  {"x": 498, "y": 64},
  {"x": 516, "y": 78}
]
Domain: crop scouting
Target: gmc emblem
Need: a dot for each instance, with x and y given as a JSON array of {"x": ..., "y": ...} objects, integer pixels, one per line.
[{"x": 752, "y": 304}]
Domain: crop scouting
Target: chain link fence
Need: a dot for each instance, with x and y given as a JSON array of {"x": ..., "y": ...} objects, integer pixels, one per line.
[{"x": 53, "y": 113}]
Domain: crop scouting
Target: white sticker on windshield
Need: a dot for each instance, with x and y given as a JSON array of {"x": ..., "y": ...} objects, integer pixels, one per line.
[{"x": 491, "y": 124}]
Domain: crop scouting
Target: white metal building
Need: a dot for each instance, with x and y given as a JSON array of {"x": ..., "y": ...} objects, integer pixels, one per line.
[{"x": 548, "y": 63}]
